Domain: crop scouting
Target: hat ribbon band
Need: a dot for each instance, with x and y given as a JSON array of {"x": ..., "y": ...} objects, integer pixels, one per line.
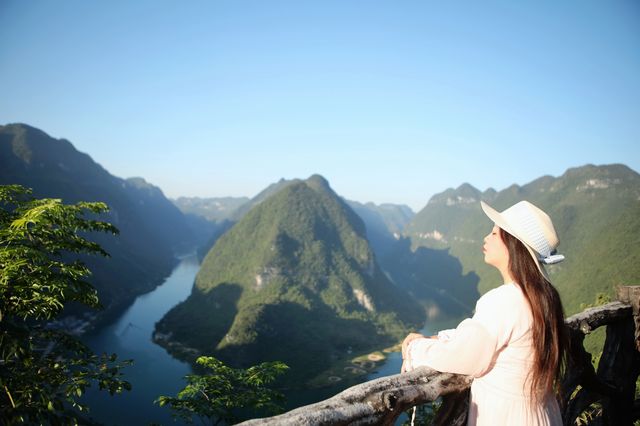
[{"x": 550, "y": 260}]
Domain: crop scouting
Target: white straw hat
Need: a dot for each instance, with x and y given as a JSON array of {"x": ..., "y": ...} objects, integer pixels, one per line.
[{"x": 532, "y": 227}]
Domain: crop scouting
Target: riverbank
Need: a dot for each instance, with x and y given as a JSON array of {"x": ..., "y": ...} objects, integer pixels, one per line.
[
  {"x": 354, "y": 368},
  {"x": 372, "y": 364}
]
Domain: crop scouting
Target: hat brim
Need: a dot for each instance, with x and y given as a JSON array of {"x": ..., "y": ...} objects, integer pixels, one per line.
[{"x": 500, "y": 222}]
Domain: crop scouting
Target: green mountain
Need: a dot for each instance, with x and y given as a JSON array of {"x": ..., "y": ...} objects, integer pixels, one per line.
[
  {"x": 263, "y": 195},
  {"x": 596, "y": 212},
  {"x": 151, "y": 228},
  {"x": 294, "y": 280},
  {"x": 209, "y": 218},
  {"x": 384, "y": 222},
  {"x": 408, "y": 269}
]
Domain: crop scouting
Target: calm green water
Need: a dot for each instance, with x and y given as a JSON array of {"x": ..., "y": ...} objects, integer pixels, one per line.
[
  {"x": 154, "y": 371},
  {"x": 394, "y": 360}
]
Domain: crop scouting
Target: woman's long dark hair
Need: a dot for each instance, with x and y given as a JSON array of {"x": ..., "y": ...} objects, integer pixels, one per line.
[{"x": 549, "y": 333}]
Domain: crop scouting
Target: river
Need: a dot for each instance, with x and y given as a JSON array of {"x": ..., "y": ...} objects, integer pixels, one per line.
[{"x": 156, "y": 373}]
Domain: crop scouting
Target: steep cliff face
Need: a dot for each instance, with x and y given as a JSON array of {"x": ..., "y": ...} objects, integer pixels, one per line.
[
  {"x": 151, "y": 228},
  {"x": 294, "y": 280},
  {"x": 384, "y": 222}
]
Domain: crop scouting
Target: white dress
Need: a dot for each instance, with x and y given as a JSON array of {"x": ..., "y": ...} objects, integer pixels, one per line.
[{"x": 495, "y": 348}]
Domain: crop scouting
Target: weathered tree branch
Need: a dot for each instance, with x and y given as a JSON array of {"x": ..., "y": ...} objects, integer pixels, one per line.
[
  {"x": 378, "y": 401},
  {"x": 592, "y": 318}
]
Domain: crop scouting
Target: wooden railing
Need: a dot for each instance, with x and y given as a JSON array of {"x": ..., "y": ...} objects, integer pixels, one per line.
[{"x": 612, "y": 385}]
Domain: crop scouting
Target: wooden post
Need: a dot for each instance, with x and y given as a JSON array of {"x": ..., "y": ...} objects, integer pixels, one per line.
[
  {"x": 454, "y": 409},
  {"x": 620, "y": 361},
  {"x": 631, "y": 296},
  {"x": 619, "y": 367}
]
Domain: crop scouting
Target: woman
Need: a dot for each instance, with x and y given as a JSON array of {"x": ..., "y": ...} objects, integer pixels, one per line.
[{"x": 515, "y": 344}]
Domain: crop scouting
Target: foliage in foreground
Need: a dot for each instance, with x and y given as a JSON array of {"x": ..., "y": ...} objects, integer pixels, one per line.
[
  {"x": 225, "y": 393},
  {"x": 44, "y": 370}
]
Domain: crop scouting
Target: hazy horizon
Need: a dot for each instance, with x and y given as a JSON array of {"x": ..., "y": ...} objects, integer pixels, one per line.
[{"x": 415, "y": 210}]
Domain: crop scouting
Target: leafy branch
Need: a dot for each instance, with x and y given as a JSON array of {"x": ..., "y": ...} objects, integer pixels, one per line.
[{"x": 45, "y": 371}]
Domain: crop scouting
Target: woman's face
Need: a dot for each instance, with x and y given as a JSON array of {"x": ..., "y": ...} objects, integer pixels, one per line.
[{"x": 495, "y": 251}]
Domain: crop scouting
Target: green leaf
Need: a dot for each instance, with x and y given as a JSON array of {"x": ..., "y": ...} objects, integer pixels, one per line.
[
  {"x": 224, "y": 390},
  {"x": 46, "y": 369}
]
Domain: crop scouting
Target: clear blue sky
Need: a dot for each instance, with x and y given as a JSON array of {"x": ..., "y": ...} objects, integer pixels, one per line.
[{"x": 392, "y": 101}]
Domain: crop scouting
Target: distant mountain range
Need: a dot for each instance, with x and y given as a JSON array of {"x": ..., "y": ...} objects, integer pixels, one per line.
[
  {"x": 299, "y": 274},
  {"x": 152, "y": 229},
  {"x": 436, "y": 254},
  {"x": 209, "y": 218},
  {"x": 215, "y": 209},
  {"x": 596, "y": 213},
  {"x": 294, "y": 280},
  {"x": 384, "y": 222}
]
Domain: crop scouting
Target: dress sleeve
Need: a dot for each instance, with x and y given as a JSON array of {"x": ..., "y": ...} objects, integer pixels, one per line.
[{"x": 472, "y": 346}]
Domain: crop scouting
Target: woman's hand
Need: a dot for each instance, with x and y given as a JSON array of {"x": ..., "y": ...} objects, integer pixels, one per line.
[
  {"x": 403, "y": 369},
  {"x": 405, "y": 344},
  {"x": 405, "y": 347}
]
